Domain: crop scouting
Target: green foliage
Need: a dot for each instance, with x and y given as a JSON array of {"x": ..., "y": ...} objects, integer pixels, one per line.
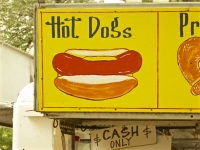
[
  {"x": 16, "y": 20},
  {"x": 74, "y": 1},
  {"x": 83, "y": 1},
  {"x": 5, "y": 138}
]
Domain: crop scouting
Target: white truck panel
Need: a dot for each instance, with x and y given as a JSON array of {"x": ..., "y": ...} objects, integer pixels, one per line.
[
  {"x": 31, "y": 131},
  {"x": 16, "y": 71}
]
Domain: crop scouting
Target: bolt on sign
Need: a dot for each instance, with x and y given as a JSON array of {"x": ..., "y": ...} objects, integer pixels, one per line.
[
  {"x": 122, "y": 137},
  {"x": 117, "y": 58}
]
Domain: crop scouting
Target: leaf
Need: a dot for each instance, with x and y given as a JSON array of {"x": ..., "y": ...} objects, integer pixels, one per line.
[
  {"x": 16, "y": 21},
  {"x": 5, "y": 138}
]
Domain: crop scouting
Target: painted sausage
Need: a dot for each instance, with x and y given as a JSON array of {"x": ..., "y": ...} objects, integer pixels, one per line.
[{"x": 126, "y": 63}]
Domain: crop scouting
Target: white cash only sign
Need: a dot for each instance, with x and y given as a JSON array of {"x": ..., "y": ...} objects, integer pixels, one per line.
[{"x": 123, "y": 136}]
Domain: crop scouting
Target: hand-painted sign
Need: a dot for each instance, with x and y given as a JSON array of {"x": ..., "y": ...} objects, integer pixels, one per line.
[
  {"x": 123, "y": 136},
  {"x": 117, "y": 59},
  {"x": 61, "y": 29},
  {"x": 163, "y": 142}
]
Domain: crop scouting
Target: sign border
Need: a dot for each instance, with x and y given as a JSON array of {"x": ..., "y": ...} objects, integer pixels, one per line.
[{"x": 39, "y": 106}]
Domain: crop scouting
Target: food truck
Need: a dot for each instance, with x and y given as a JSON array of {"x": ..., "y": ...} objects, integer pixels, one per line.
[{"x": 113, "y": 76}]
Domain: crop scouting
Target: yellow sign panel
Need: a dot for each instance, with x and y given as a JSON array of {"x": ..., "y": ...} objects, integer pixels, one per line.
[{"x": 118, "y": 60}]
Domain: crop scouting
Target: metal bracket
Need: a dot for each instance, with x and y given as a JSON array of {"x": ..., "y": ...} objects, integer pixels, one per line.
[
  {"x": 197, "y": 131},
  {"x": 198, "y": 126},
  {"x": 67, "y": 128}
]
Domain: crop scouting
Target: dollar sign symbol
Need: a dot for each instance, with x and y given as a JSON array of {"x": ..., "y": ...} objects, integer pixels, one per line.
[
  {"x": 97, "y": 139},
  {"x": 146, "y": 130}
]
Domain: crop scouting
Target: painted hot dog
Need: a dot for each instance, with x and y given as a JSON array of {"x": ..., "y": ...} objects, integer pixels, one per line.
[
  {"x": 125, "y": 63},
  {"x": 96, "y": 79}
]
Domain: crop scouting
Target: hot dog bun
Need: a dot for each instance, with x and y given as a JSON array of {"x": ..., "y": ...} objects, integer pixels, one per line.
[
  {"x": 73, "y": 63},
  {"x": 95, "y": 87},
  {"x": 188, "y": 61}
]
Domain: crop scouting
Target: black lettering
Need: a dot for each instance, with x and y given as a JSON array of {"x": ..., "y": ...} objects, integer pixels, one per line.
[
  {"x": 147, "y": 131},
  {"x": 104, "y": 32},
  {"x": 112, "y": 144},
  {"x": 53, "y": 23},
  {"x": 114, "y": 24},
  {"x": 115, "y": 133},
  {"x": 123, "y": 143},
  {"x": 73, "y": 26},
  {"x": 91, "y": 33},
  {"x": 183, "y": 22},
  {"x": 134, "y": 132},
  {"x": 125, "y": 132},
  {"x": 65, "y": 32},
  {"x": 97, "y": 139},
  {"x": 117, "y": 143},
  {"x": 128, "y": 139},
  {"x": 192, "y": 26},
  {"x": 127, "y": 34},
  {"x": 104, "y": 137}
]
